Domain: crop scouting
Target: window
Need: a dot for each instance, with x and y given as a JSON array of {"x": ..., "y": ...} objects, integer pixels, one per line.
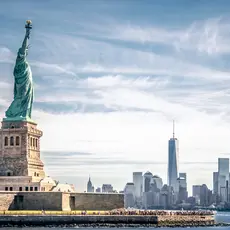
[
  {"x": 27, "y": 189},
  {"x": 35, "y": 188},
  {"x": 31, "y": 188},
  {"x": 33, "y": 142},
  {"x": 20, "y": 188},
  {"x": 6, "y": 141},
  {"x": 8, "y": 174},
  {"x": 6, "y": 188},
  {"x": 36, "y": 143},
  {"x": 35, "y": 174},
  {"x": 11, "y": 141},
  {"x": 17, "y": 141},
  {"x": 11, "y": 188}
]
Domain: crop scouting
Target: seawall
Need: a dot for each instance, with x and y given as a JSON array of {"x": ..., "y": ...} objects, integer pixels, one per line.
[
  {"x": 186, "y": 220},
  {"x": 106, "y": 220}
]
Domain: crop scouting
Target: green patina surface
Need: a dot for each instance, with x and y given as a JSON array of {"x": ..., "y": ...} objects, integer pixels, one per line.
[
  {"x": 9, "y": 119},
  {"x": 21, "y": 106}
]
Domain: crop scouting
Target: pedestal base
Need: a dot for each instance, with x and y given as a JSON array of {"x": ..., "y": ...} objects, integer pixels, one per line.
[
  {"x": 11, "y": 119},
  {"x": 20, "y": 149}
]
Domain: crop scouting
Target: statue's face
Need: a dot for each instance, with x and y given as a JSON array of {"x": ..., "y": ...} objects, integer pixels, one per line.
[{"x": 21, "y": 53}]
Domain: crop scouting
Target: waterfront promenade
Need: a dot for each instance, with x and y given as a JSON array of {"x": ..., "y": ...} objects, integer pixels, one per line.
[{"x": 112, "y": 212}]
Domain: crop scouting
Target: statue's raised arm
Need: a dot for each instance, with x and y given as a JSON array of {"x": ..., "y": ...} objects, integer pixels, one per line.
[
  {"x": 21, "y": 107},
  {"x": 23, "y": 51}
]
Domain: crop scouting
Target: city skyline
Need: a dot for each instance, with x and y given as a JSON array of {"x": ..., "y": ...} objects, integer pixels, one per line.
[{"x": 108, "y": 84}]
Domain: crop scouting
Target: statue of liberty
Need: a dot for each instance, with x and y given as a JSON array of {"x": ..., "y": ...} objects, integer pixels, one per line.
[{"x": 21, "y": 107}]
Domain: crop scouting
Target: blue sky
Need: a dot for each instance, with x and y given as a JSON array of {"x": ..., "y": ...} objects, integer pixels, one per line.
[{"x": 110, "y": 76}]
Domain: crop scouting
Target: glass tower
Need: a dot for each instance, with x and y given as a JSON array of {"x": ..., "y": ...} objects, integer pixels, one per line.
[
  {"x": 138, "y": 181},
  {"x": 223, "y": 178},
  {"x": 173, "y": 152}
]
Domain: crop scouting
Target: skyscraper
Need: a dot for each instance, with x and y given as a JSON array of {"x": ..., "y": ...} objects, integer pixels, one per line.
[
  {"x": 138, "y": 182},
  {"x": 223, "y": 178},
  {"x": 173, "y": 161},
  {"x": 182, "y": 187},
  {"x": 158, "y": 181},
  {"x": 90, "y": 187},
  {"x": 129, "y": 195},
  {"x": 215, "y": 182},
  {"x": 146, "y": 182}
]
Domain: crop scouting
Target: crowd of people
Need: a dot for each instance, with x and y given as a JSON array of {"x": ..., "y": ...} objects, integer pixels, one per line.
[{"x": 149, "y": 212}]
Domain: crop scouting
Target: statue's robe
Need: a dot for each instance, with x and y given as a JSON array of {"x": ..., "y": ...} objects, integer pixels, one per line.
[{"x": 21, "y": 107}]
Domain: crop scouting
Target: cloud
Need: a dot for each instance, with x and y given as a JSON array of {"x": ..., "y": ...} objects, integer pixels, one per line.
[
  {"x": 136, "y": 135},
  {"x": 50, "y": 69},
  {"x": 199, "y": 42},
  {"x": 6, "y": 56},
  {"x": 208, "y": 36},
  {"x": 116, "y": 92},
  {"x": 99, "y": 168},
  {"x": 73, "y": 56},
  {"x": 112, "y": 89}
]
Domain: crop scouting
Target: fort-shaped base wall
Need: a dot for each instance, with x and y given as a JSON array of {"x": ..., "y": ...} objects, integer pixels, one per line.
[{"x": 60, "y": 201}]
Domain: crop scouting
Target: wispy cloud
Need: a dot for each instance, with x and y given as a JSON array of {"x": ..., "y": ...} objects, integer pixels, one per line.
[
  {"x": 109, "y": 83},
  {"x": 6, "y": 55},
  {"x": 208, "y": 36}
]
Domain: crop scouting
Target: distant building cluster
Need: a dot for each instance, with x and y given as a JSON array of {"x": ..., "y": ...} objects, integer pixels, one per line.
[
  {"x": 106, "y": 188},
  {"x": 148, "y": 191},
  {"x": 221, "y": 187}
]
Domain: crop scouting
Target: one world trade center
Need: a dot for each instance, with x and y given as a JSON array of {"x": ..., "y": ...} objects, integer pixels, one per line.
[{"x": 173, "y": 152}]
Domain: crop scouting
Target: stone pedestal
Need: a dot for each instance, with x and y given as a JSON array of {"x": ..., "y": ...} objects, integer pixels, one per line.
[{"x": 20, "y": 150}]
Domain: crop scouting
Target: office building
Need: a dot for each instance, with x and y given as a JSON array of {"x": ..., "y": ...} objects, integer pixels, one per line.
[
  {"x": 158, "y": 181},
  {"x": 107, "y": 188},
  {"x": 98, "y": 190},
  {"x": 129, "y": 195},
  {"x": 138, "y": 183},
  {"x": 215, "y": 182},
  {"x": 202, "y": 194},
  {"x": 90, "y": 187},
  {"x": 146, "y": 181},
  {"x": 182, "y": 188},
  {"x": 173, "y": 152},
  {"x": 196, "y": 191},
  {"x": 205, "y": 196},
  {"x": 147, "y": 197},
  {"x": 223, "y": 178}
]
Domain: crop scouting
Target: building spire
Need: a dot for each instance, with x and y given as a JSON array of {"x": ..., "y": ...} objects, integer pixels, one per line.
[{"x": 173, "y": 129}]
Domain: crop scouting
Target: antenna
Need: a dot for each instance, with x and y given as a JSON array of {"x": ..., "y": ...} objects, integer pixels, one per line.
[{"x": 173, "y": 129}]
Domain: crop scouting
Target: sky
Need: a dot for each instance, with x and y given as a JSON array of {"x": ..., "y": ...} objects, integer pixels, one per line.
[{"x": 111, "y": 76}]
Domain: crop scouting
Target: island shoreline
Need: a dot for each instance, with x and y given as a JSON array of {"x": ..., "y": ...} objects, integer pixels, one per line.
[{"x": 106, "y": 221}]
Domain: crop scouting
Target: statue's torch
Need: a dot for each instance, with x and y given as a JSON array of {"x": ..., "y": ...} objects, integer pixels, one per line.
[{"x": 28, "y": 27}]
